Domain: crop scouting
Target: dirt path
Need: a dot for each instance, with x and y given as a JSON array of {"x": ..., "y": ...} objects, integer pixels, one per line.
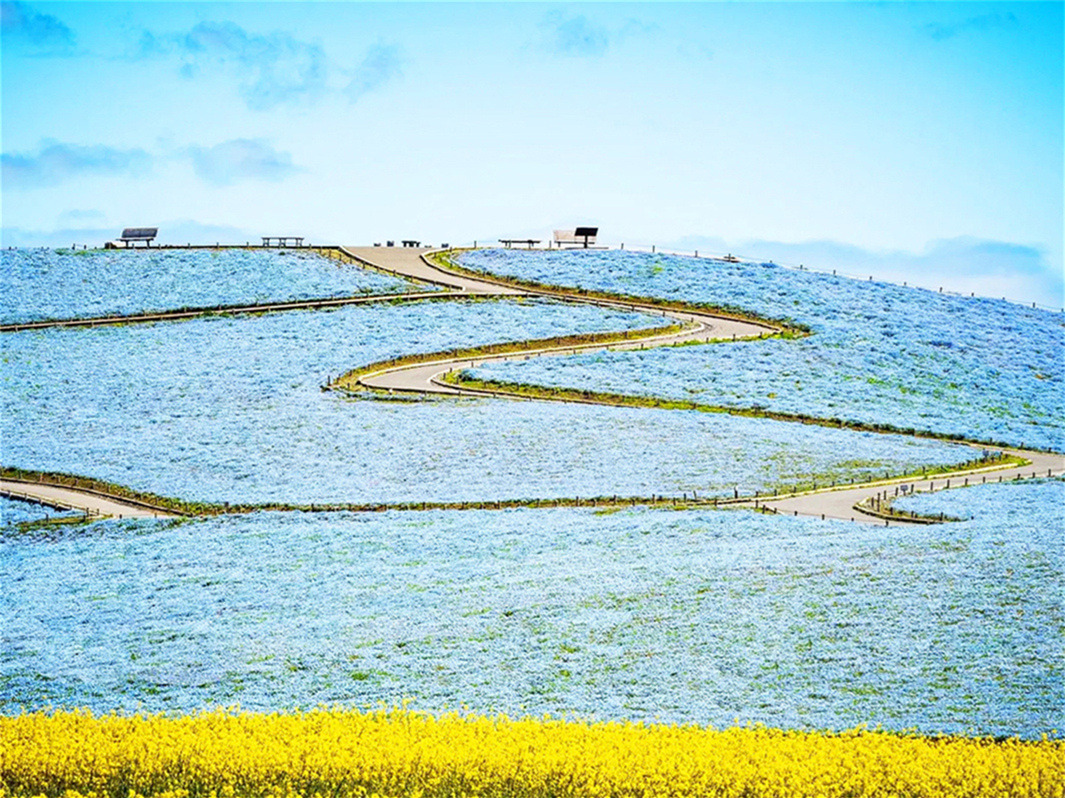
[{"x": 60, "y": 498}]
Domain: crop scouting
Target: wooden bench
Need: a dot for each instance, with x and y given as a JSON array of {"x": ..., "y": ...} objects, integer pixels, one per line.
[
  {"x": 529, "y": 242},
  {"x": 131, "y": 235},
  {"x": 283, "y": 241},
  {"x": 412, "y": 243},
  {"x": 581, "y": 236}
]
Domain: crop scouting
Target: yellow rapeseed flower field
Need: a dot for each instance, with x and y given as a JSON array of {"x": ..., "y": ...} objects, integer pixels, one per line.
[{"x": 334, "y": 753}]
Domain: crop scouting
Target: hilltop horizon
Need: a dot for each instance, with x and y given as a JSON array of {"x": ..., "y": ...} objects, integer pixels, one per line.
[
  {"x": 906, "y": 140},
  {"x": 963, "y": 266}
]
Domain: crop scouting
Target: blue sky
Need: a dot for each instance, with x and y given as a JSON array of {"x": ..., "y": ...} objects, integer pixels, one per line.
[{"x": 914, "y": 141}]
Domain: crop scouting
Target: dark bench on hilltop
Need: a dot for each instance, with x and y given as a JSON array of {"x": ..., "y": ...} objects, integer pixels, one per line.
[
  {"x": 582, "y": 235},
  {"x": 283, "y": 241},
  {"x": 131, "y": 235},
  {"x": 527, "y": 241}
]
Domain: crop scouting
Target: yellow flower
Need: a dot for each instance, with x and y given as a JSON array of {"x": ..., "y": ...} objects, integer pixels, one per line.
[{"x": 396, "y": 752}]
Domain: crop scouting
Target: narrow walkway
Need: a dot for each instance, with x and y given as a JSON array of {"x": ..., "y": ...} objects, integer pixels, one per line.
[
  {"x": 76, "y": 499},
  {"x": 410, "y": 262},
  {"x": 696, "y": 326},
  {"x": 427, "y": 377},
  {"x": 839, "y": 502}
]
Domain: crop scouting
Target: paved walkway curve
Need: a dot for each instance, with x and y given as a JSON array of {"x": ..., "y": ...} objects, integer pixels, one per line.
[
  {"x": 80, "y": 499},
  {"x": 841, "y": 502},
  {"x": 838, "y": 503},
  {"x": 402, "y": 262},
  {"x": 428, "y": 377}
]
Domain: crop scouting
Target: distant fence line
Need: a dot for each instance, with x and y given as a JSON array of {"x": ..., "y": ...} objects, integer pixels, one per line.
[
  {"x": 726, "y": 256},
  {"x": 649, "y": 248}
]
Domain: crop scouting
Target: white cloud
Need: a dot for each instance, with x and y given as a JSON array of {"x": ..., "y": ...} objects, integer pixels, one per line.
[
  {"x": 34, "y": 33},
  {"x": 240, "y": 160},
  {"x": 56, "y": 162},
  {"x": 382, "y": 64},
  {"x": 573, "y": 35},
  {"x": 270, "y": 70},
  {"x": 233, "y": 161}
]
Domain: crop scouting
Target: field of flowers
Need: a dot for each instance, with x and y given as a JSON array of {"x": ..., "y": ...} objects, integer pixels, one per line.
[
  {"x": 679, "y": 617},
  {"x": 13, "y": 513},
  {"x": 51, "y": 284},
  {"x": 674, "y": 620},
  {"x": 400, "y": 753},
  {"x": 880, "y": 353},
  {"x": 230, "y": 409}
]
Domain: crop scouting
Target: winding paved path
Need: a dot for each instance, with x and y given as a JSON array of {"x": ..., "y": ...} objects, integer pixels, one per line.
[
  {"x": 79, "y": 499},
  {"x": 838, "y": 503},
  {"x": 696, "y": 326},
  {"x": 410, "y": 262},
  {"x": 427, "y": 377}
]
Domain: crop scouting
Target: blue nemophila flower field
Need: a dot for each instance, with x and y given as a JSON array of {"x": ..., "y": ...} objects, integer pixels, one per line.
[
  {"x": 879, "y": 353},
  {"x": 689, "y": 616},
  {"x": 705, "y": 617},
  {"x": 14, "y": 512},
  {"x": 231, "y": 410},
  {"x": 47, "y": 284}
]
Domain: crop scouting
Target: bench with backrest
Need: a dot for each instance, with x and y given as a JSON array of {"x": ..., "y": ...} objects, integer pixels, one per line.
[
  {"x": 131, "y": 235},
  {"x": 580, "y": 236}
]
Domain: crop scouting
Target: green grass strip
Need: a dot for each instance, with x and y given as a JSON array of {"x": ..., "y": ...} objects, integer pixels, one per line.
[
  {"x": 111, "y": 490},
  {"x": 784, "y": 327},
  {"x": 463, "y": 379},
  {"x": 350, "y": 380}
]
